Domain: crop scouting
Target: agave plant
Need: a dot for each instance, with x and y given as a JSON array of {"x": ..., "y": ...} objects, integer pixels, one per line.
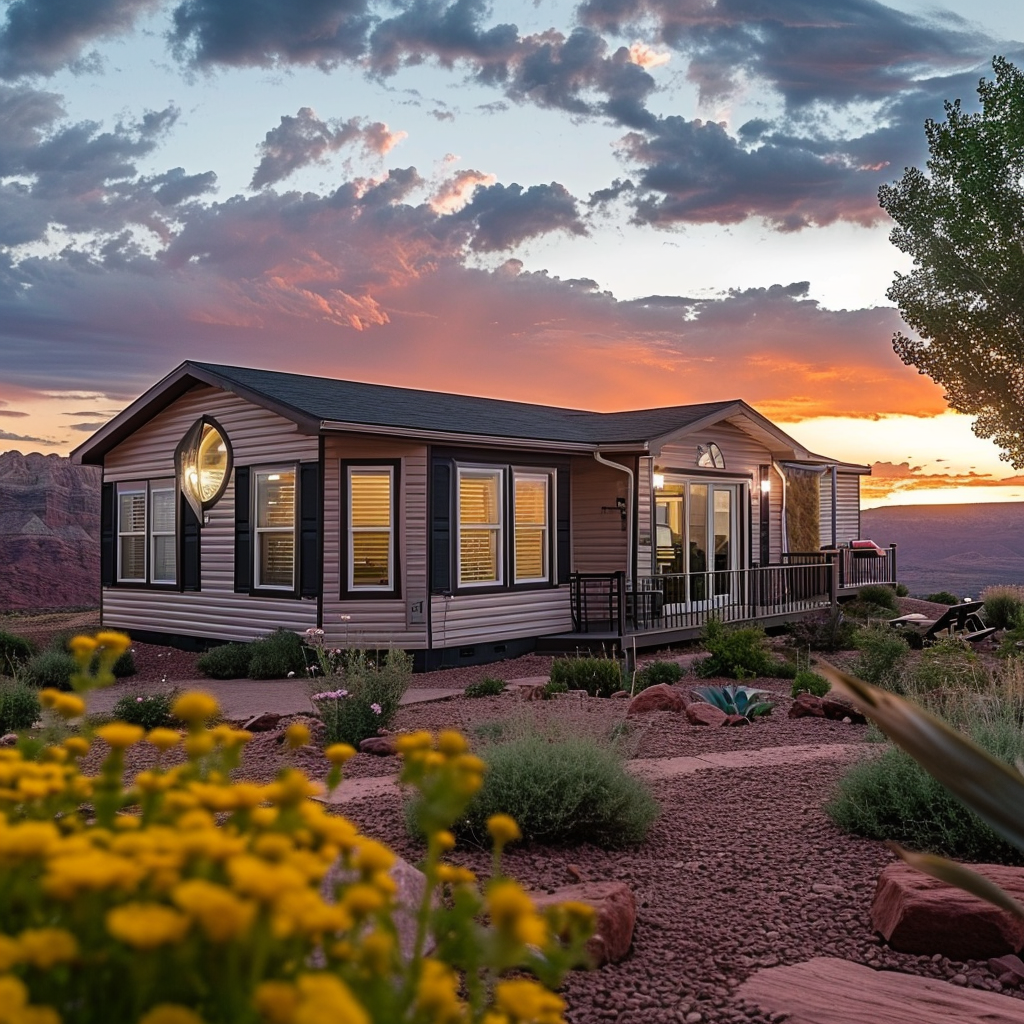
[
  {"x": 735, "y": 699},
  {"x": 990, "y": 788}
]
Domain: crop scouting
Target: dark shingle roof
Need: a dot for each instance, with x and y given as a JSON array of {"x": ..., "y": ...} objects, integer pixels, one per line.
[{"x": 324, "y": 398}]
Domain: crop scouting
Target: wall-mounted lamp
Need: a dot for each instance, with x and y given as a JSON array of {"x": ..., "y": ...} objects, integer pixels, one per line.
[
  {"x": 659, "y": 481},
  {"x": 766, "y": 485}
]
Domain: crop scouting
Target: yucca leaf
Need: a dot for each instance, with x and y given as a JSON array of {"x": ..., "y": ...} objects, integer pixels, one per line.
[
  {"x": 962, "y": 877},
  {"x": 990, "y": 788}
]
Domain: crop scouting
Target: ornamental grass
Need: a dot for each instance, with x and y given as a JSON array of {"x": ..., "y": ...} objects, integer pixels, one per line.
[{"x": 180, "y": 897}]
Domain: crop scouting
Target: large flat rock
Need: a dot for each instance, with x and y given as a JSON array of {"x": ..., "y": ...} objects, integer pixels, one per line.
[{"x": 830, "y": 991}]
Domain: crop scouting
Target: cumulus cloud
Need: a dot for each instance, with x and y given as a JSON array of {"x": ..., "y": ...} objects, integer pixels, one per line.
[
  {"x": 306, "y": 139},
  {"x": 453, "y": 194},
  {"x": 505, "y": 215}
]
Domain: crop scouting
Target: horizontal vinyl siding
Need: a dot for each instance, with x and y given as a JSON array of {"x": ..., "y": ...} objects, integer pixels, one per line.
[
  {"x": 645, "y": 518},
  {"x": 257, "y": 437},
  {"x": 502, "y": 615},
  {"x": 376, "y": 622},
  {"x": 825, "y": 509},
  {"x": 598, "y": 540},
  {"x": 847, "y": 507}
]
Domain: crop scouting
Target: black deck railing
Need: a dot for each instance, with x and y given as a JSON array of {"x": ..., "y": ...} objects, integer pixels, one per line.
[
  {"x": 670, "y": 601},
  {"x": 857, "y": 566}
]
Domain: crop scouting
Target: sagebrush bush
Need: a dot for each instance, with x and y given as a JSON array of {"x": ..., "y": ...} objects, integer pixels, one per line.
[
  {"x": 19, "y": 706},
  {"x": 949, "y": 662},
  {"x": 15, "y": 652},
  {"x": 739, "y": 652},
  {"x": 943, "y": 597},
  {"x": 229, "y": 661},
  {"x": 658, "y": 672},
  {"x": 902, "y": 590},
  {"x": 879, "y": 595},
  {"x": 883, "y": 653},
  {"x": 600, "y": 677},
  {"x": 150, "y": 710},
  {"x": 824, "y": 631},
  {"x": 51, "y": 668},
  {"x": 274, "y": 656},
  {"x": 561, "y": 791},
  {"x": 486, "y": 687},
  {"x": 1004, "y": 606},
  {"x": 553, "y": 686},
  {"x": 807, "y": 681},
  {"x": 365, "y": 696},
  {"x": 891, "y": 797}
]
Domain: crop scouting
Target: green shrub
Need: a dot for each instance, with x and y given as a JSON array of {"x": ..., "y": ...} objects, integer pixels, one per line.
[
  {"x": 736, "y": 700},
  {"x": 15, "y": 652},
  {"x": 739, "y": 653},
  {"x": 150, "y": 710},
  {"x": 19, "y": 706},
  {"x": 824, "y": 631},
  {"x": 600, "y": 677},
  {"x": 229, "y": 661},
  {"x": 1004, "y": 606},
  {"x": 943, "y": 597},
  {"x": 950, "y": 663},
  {"x": 880, "y": 595},
  {"x": 486, "y": 687},
  {"x": 51, "y": 668},
  {"x": 891, "y": 797},
  {"x": 657, "y": 673},
  {"x": 807, "y": 681},
  {"x": 883, "y": 652},
  {"x": 902, "y": 590},
  {"x": 563, "y": 791},
  {"x": 274, "y": 656},
  {"x": 553, "y": 686},
  {"x": 123, "y": 667},
  {"x": 366, "y": 698}
]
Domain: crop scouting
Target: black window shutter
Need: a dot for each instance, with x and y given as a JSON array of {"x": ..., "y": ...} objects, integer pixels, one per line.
[
  {"x": 563, "y": 547},
  {"x": 107, "y": 499},
  {"x": 243, "y": 532},
  {"x": 190, "y": 571},
  {"x": 309, "y": 529},
  {"x": 441, "y": 527}
]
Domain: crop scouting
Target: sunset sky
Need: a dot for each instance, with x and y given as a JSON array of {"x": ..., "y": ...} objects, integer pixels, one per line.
[{"x": 611, "y": 204}]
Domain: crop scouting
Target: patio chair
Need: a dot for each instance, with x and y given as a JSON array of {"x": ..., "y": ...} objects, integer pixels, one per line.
[{"x": 960, "y": 620}]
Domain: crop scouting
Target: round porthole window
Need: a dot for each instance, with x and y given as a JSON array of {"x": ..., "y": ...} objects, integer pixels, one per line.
[{"x": 204, "y": 464}]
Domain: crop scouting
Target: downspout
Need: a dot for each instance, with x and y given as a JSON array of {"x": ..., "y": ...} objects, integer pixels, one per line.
[
  {"x": 629, "y": 513},
  {"x": 835, "y": 510},
  {"x": 785, "y": 534}
]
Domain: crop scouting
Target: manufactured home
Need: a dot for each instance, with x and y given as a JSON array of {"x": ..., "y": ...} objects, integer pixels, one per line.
[{"x": 236, "y": 501}]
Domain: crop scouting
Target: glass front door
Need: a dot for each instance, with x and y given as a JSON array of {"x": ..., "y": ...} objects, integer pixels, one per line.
[{"x": 697, "y": 526}]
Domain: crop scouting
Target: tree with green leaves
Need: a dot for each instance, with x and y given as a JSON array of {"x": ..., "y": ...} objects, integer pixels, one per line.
[{"x": 963, "y": 224}]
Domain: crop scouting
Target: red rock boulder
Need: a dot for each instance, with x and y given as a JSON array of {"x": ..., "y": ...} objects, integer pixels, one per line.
[
  {"x": 806, "y": 706},
  {"x": 616, "y": 916},
  {"x": 382, "y": 746},
  {"x": 656, "y": 698},
  {"x": 700, "y": 713},
  {"x": 837, "y": 709},
  {"x": 916, "y": 913}
]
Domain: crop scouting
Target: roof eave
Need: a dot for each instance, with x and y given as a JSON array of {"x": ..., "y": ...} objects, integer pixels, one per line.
[{"x": 457, "y": 437}]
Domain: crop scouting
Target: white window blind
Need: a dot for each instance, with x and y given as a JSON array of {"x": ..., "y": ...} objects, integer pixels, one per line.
[
  {"x": 480, "y": 526},
  {"x": 275, "y": 528},
  {"x": 131, "y": 534},
  {"x": 531, "y": 542},
  {"x": 371, "y": 528},
  {"x": 162, "y": 533}
]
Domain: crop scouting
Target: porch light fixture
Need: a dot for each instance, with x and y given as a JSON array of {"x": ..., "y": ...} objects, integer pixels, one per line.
[
  {"x": 659, "y": 480},
  {"x": 204, "y": 465},
  {"x": 766, "y": 485}
]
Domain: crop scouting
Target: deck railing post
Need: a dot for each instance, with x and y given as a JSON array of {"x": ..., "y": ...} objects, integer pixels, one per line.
[
  {"x": 893, "y": 578},
  {"x": 834, "y": 577},
  {"x": 620, "y": 600}
]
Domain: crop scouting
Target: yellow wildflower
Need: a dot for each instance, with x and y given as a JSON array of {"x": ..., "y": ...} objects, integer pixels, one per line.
[
  {"x": 27, "y": 841},
  {"x": 362, "y": 899},
  {"x": 163, "y": 739},
  {"x": 339, "y": 753},
  {"x": 120, "y": 734},
  {"x": 371, "y": 856},
  {"x": 77, "y": 746},
  {"x": 146, "y": 925},
  {"x": 219, "y": 912},
  {"x": 48, "y": 696},
  {"x": 444, "y": 839},
  {"x": 82, "y": 647},
  {"x": 276, "y": 1001},
  {"x": 198, "y": 744},
  {"x": 44, "y": 947},
  {"x": 195, "y": 707},
  {"x": 437, "y": 994},
  {"x": 413, "y": 741},
  {"x": 68, "y": 705},
  {"x": 170, "y": 1013},
  {"x": 376, "y": 950},
  {"x": 526, "y": 1000},
  {"x": 296, "y": 735},
  {"x": 325, "y": 999},
  {"x": 454, "y": 875},
  {"x": 113, "y": 643},
  {"x": 10, "y": 952},
  {"x": 503, "y": 829}
]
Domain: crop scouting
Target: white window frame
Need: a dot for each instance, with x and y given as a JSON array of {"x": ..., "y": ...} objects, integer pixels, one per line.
[
  {"x": 259, "y": 531},
  {"x": 159, "y": 487},
  {"x": 547, "y": 478},
  {"x": 361, "y": 470},
  {"x": 498, "y": 472},
  {"x": 123, "y": 490}
]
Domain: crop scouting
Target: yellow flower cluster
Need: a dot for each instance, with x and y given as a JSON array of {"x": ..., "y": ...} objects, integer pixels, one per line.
[{"x": 227, "y": 881}]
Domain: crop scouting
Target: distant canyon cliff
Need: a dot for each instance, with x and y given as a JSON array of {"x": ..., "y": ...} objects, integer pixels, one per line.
[{"x": 49, "y": 533}]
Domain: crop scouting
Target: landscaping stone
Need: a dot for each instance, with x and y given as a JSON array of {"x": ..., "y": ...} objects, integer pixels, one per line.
[
  {"x": 317, "y": 729},
  {"x": 264, "y": 722},
  {"x": 838, "y": 710},
  {"x": 620, "y": 694},
  {"x": 9, "y": 739},
  {"x": 1009, "y": 970},
  {"x": 736, "y": 720},
  {"x": 916, "y": 913},
  {"x": 806, "y": 706},
  {"x": 616, "y": 916},
  {"x": 382, "y": 746},
  {"x": 656, "y": 698},
  {"x": 700, "y": 713},
  {"x": 532, "y": 691}
]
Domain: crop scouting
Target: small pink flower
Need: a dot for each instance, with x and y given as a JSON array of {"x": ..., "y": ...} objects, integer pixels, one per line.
[
  {"x": 376, "y": 709},
  {"x": 138, "y": 700}
]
